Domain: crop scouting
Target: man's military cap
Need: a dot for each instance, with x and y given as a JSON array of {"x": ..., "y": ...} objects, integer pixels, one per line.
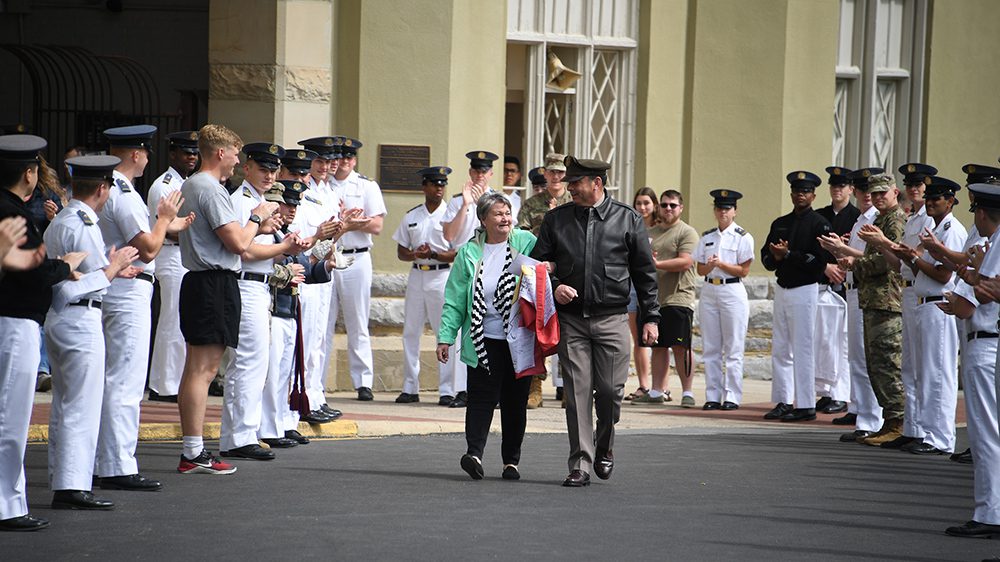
[
  {"x": 838, "y": 175},
  {"x": 861, "y": 178},
  {"x": 299, "y": 161},
  {"x": 555, "y": 161},
  {"x": 725, "y": 198},
  {"x": 264, "y": 153},
  {"x": 98, "y": 167},
  {"x": 21, "y": 148},
  {"x": 185, "y": 141},
  {"x": 537, "y": 176},
  {"x": 349, "y": 147},
  {"x": 291, "y": 191},
  {"x": 578, "y": 169},
  {"x": 133, "y": 136},
  {"x": 326, "y": 148},
  {"x": 977, "y": 173},
  {"x": 940, "y": 187},
  {"x": 915, "y": 172},
  {"x": 481, "y": 159},
  {"x": 438, "y": 175},
  {"x": 801, "y": 180},
  {"x": 986, "y": 195}
]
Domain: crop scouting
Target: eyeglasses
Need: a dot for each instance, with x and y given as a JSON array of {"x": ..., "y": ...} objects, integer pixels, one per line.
[
  {"x": 510, "y": 170},
  {"x": 669, "y": 205}
]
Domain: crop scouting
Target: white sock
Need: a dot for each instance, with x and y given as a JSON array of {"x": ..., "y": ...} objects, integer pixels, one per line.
[
  {"x": 653, "y": 393},
  {"x": 193, "y": 446},
  {"x": 688, "y": 393}
]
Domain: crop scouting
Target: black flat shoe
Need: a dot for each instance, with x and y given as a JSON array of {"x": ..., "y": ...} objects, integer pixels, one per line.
[
  {"x": 727, "y": 405},
  {"x": 280, "y": 442},
  {"x": 316, "y": 416},
  {"x": 132, "y": 482},
  {"x": 604, "y": 465},
  {"x": 799, "y": 414},
  {"x": 24, "y": 523},
  {"x": 252, "y": 451},
  {"x": 965, "y": 457},
  {"x": 898, "y": 442},
  {"x": 510, "y": 472},
  {"x": 907, "y": 447},
  {"x": 823, "y": 403},
  {"x": 846, "y": 419},
  {"x": 778, "y": 411},
  {"x": 79, "y": 499},
  {"x": 926, "y": 449},
  {"x": 294, "y": 435},
  {"x": 445, "y": 400},
  {"x": 711, "y": 406},
  {"x": 405, "y": 398},
  {"x": 218, "y": 387},
  {"x": 834, "y": 407},
  {"x": 577, "y": 479},
  {"x": 332, "y": 413},
  {"x": 155, "y": 397},
  {"x": 461, "y": 400},
  {"x": 854, "y": 436},
  {"x": 472, "y": 466},
  {"x": 365, "y": 394},
  {"x": 974, "y": 530}
]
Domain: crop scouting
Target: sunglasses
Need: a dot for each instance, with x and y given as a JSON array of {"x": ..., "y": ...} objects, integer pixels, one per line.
[{"x": 669, "y": 205}]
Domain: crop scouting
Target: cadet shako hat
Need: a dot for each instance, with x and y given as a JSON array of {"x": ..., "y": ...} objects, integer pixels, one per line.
[
  {"x": 326, "y": 148},
  {"x": 977, "y": 173},
  {"x": 133, "y": 136},
  {"x": 299, "y": 161},
  {"x": 801, "y": 180},
  {"x": 555, "y": 161},
  {"x": 940, "y": 187},
  {"x": 838, "y": 175},
  {"x": 437, "y": 175},
  {"x": 915, "y": 172},
  {"x": 481, "y": 159},
  {"x": 185, "y": 141},
  {"x": 725, "y": 198},
  {"x": 100, "y": 167},
  {"x": 861, "y": 178},
  {"x": 349, "y": 147},
  {"x": 291, "y": 191},
  {"x": 985, "y": 195},
  {"x": 21, "y": 148},
  {"x": 264, "y": 153},
  {"x": 579, "y": 169},
  {"x": 537, "y": 176}
]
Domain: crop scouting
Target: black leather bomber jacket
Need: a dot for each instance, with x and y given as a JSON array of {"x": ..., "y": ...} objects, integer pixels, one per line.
[{"x": 598, "y": 251}]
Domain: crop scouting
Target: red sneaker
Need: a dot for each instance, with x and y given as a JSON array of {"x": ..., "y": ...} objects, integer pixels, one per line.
[{"x": 204, "y": 463}]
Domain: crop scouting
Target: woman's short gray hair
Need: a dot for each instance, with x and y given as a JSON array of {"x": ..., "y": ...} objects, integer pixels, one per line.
[{"x": 487, "y": 201}]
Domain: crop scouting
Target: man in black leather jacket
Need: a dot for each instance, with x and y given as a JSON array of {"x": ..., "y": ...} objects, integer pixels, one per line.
[{"x": 598, "y": 247}]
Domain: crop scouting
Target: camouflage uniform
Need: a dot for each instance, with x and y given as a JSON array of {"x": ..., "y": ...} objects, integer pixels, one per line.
[
  {"x": 534, "y": 209},
  {"x": 880, "y": 296}
]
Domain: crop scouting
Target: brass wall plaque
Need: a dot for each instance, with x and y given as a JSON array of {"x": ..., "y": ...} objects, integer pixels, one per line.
[{"x": 398, "y": 165}]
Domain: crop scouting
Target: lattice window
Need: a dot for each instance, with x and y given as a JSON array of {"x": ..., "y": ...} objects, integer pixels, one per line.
[
  {"x": 557, "y": 123},
  {"x": 604, "y": 110},
  {"x": 840, "y": 122},
  {"x": 883, "y": 123}
]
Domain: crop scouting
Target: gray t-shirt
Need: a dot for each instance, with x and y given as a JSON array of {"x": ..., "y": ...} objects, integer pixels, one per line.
[{"x": 201, "y": 247}]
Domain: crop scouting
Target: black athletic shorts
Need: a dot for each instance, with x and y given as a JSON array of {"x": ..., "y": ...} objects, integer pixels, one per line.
[
  {"x": 675, "y": 327},
  {"x": 210, "y": 308}
]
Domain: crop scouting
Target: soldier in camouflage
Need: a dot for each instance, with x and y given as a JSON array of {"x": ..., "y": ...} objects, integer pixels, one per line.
[{"x": 879, "y": 296}]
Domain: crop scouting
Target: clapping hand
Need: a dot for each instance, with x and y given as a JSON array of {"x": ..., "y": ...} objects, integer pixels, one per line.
[
  {"x": 904, "y": 252},
  {"x": 846, "y": 263},
  {"x": 873, "y": 235},
  {"x": 977, "y": 254},
  {"x": 471, "y": 192},
  {"x": 779, "y": 249},
  {"x": 422, "y": 251},
  {"x": 169, "y": 205},
  {"x": 713, "y": 261},
  {"x": 835, "y": 274},
  {"x": 832, "y": 243}
]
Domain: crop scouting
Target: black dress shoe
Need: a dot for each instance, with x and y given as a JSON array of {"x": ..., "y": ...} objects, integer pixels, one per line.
[
  {"x": 974, "y": 530},
  {"x": 316, "y": 416},
  {"x": 727, "y": 405},
  {"x": 577, "y": 479},
  {"x": 823, "y": 403},
  {"x": 405, "y": 398},
  {"x": 835, "y": 407},
  {"x": 23, "y": 523},
  {"x": 846, "y": 419},
  {"x": 445, "y": 400},
  {"x": 510, "y": 472},
  {"x": 332, "y": 413},
  {"x": 604, "y": 465},
  {"x": 965, "y": 457},
  {"x": 294, "y": 435},
  {"x": 899, "y": 442},
  {"x": 853, "y": 436},
  {"x": 365, "y": 394},
  {"x": 461, "y": 400},
  {"x": 799, "y": 414},
  {"x": 79, "y": 499},
  {"x": 711, "y": 406},
  {"x": 132, "y": 482},
  {"x": 280, "y": 442},
  {"x": 778, "y": 411},
  {"x": 156, "y": 397},
  {"x": 252, "y": 451},
  {"x": 559, "y": 393},
  {"x": 907, "y": 447},
  {"x": 218, "y": 387},
  {"x": 926, "y": 449},
  {"x": 472, "y": 466}
]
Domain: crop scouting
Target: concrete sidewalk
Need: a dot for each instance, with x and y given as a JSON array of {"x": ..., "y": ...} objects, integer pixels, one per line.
[{"x": 383, "y": 417}]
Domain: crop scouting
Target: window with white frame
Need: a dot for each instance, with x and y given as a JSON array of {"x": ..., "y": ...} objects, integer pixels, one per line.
[
  {"x": 878, "y": 101},
  {"x": 594, "y": 116}
]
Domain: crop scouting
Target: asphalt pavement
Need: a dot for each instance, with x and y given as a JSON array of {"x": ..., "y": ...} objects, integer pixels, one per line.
[{"x": 684, "y": 493}]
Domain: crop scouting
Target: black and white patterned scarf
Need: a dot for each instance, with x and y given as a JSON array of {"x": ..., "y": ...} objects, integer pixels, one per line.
[{"x": 501, "y": 301}]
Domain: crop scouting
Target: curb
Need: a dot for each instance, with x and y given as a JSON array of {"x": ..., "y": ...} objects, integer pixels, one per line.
[{"x": 340, "y": 429}]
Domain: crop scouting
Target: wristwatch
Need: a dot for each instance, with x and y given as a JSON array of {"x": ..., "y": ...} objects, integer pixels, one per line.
[{"x": 256, "y": 219}]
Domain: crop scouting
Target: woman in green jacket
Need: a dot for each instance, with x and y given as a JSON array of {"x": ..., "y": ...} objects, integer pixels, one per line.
[{"x": 479, "y": 299}]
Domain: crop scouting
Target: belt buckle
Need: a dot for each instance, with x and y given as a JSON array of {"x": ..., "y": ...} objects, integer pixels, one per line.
[
  {"x": 715, "y": 281},
  {"x": 425, "y": 267}
]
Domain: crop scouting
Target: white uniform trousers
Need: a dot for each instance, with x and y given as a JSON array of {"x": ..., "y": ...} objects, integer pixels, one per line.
[
  {"x": 276, "y": 413},
  {"x": 424, "y": 303},
  {"x": 315, "y": 310},
  {"x": 354, "y": 296},
  {"x": 19, "y": 353},
  {"x": 554, "y": 373},
  {"x": 911, "y": 339},
  {"x": 863, "y": 401},
  {"x": 75, "y": 342},
  {"x": 169, "y": 350},
  {"x": 833, "y": 372},
  {"x": 937, "y": 375},
  {"x": 723, "y": 314},
  {"x": 246, "y": 373},
  {"x": 127, "y": 323},
  {"x": 978, "y": 380},
  {"x": 793, "y": 347}
]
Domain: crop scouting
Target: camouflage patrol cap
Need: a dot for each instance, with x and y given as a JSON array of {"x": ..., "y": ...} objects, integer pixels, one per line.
[{"x": 880, "y": 183}]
